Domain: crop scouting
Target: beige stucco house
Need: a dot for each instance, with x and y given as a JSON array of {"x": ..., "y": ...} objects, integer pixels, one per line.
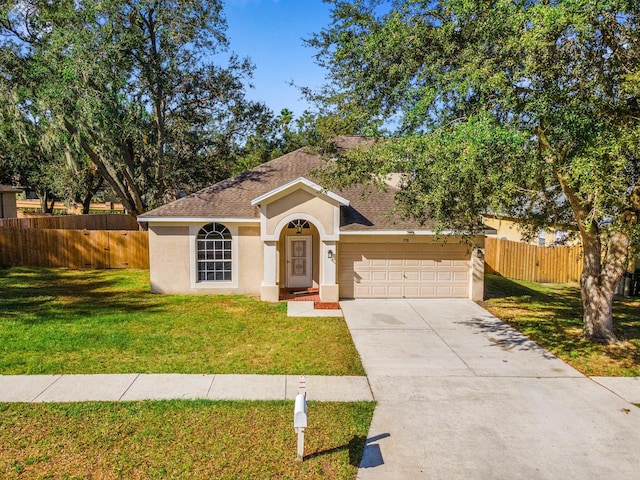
[
  {"x": 509, "y": 229},
  {"x": 8, "y": 201},
  {"x": 275, "y": 229}
]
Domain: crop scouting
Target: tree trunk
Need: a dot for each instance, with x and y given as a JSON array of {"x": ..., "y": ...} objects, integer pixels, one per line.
[
  {"x": 597, "y": 301},
  {"x": 127, "y": 191},
  {"x": 93, "y": 181},
  {"x": 86, "y": 203},
  {"x": 602, "y": 269},
  {"x": 45, "y": 197}
]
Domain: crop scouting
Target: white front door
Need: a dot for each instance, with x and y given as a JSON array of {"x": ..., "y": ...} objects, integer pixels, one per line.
[{"x": 299, "y": 261}]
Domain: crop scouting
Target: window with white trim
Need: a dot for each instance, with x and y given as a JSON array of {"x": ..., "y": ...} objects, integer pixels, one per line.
[{"x": 214, "y": 249}]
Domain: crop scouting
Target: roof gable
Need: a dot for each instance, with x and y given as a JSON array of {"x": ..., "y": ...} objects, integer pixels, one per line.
[{"x": 300, "y": 183}]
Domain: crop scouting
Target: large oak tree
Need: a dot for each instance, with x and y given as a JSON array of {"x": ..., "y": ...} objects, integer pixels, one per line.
[
  {"x": 524, "y": 107},
  {"x": 134, "y": 86}
]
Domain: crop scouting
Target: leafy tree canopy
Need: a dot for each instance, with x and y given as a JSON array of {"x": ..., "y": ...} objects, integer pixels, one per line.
[
  {"x": 523, "y": 107},
  {"x": 130, "y": 88}
]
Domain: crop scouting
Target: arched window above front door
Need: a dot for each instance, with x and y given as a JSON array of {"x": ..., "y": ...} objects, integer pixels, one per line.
[{"x": 298, "y": 225}]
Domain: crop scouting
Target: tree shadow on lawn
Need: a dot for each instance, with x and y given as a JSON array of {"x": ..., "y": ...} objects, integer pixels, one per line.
[
  {"x": 39, "y": 295},
  {"x": 563, "y": 296}
]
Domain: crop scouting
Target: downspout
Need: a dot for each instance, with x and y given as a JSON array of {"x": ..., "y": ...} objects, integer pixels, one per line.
[{"x": 1, "y": 205}]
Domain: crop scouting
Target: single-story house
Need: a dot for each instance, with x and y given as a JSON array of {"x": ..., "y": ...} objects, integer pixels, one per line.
[
  {"x": 8, "y": 201},
  {"x": 275, "y": 229}
]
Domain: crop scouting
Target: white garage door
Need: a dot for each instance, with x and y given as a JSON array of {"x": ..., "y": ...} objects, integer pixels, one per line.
[{"x": 409, "y": 270}]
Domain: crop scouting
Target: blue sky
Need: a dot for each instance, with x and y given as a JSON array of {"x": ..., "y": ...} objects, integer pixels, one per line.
[{"x": 270, "y": 32}]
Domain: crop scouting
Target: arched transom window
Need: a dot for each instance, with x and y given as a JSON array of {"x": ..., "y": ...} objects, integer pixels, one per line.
[
  {"x": 298, "y": 225},
  {"x": 214, "y": 253}
]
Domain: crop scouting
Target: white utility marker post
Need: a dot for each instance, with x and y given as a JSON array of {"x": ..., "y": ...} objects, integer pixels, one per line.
[{"x": 300, "y": 416}]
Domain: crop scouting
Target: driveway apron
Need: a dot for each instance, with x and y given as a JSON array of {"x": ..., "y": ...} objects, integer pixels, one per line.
[{"x": 463, "y": 396}]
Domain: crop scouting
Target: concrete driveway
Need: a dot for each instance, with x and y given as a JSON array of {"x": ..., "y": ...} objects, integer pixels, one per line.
[{"x": 462, "y": 396}]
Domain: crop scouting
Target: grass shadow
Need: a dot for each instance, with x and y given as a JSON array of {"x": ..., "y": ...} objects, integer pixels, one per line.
[
  {"x": 41, "y": 295},
  {"x": 355, "y": 446}
]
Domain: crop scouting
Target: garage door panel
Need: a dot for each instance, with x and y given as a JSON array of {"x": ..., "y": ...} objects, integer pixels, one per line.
[
  {"x": 459, "y": 291},
  {"x": 362, "y": 291},
  {"x": 443, "y": 291},
  {"x": 379, "y": 290},
  {"x": 427, "y": 276},
  {"x": 403, "y": 270},
  {"x": 427, "y": 291},
  {"x": 395, "y": 291},
  {"x": 395, "y": 276},
  {"x": 363, "y": 275},
  {"x": 444, "y": 276},
  {"x": 411, "y": 291},
  {"x": 411, "y": 275},
  {"x": 379, "y": 276},
  {"x": 460, "y": 276}
]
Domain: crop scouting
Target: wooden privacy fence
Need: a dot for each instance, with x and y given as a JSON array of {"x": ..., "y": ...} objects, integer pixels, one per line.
[
  {"x": 521, "y": 261},
  {"x": 94, "y": 249},
  {"x": 75, "y": 222}
]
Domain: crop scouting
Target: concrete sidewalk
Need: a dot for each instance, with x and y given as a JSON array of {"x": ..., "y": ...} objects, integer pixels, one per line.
[
  {"x": 76, "y": 388},
  {"x": 625, "y": 387},
  {"x": 461, "y": 395}
]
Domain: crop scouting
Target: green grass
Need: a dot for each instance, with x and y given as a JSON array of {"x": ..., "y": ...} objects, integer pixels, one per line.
[
  {"x": 57, "y": 321},
  {"x": 180, "y": 439},
  {"x": 551, "y": 315}
]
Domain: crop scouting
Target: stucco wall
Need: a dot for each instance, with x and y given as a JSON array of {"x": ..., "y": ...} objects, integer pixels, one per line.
[
  {"x": 169, "y": 259},
  {"x": 303, "y": 202},
  {"x": 172, "y": 268},
  {"x": 250, "y": 256}
]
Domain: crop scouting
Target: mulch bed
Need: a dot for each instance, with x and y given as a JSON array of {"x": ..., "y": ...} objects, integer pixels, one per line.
[{"x": 326, "y": 305}]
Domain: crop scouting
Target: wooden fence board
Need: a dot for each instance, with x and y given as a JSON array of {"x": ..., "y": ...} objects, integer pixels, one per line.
[
  {"x": 100, "y": 252},
  {"x": 93, "y": 249},
  {"x": 129, "y": 249},
  {"x": 522, "y": 261},
  {"x": 74, "y": 222}
]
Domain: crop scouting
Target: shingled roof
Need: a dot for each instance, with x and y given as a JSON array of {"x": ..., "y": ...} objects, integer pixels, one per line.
[{"x": 231, "y": 198}]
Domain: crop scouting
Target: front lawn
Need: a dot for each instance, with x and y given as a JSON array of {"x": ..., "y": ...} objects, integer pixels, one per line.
[
  {"x": 57, "y": 321},
  {"x": 180, "y": 440},
  {"x": 551, "y": 315}
]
